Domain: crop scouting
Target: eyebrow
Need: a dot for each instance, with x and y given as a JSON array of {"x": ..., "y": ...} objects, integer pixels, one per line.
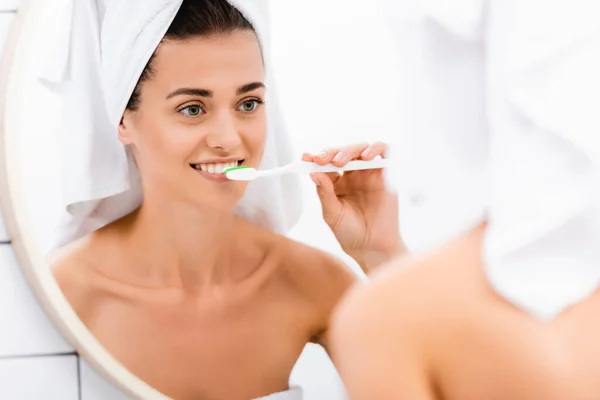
[
  {"x": 208, "y": 93},
  {"x": 249, "y": 87}
]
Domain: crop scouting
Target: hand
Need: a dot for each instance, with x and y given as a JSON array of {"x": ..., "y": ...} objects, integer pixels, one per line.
[{"x": 360, "y": 211}]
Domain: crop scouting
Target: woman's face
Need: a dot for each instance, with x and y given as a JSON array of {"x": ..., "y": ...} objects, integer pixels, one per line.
[{"x": 200, "y": 111}]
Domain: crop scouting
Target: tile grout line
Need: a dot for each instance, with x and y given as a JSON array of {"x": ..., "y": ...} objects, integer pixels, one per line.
[
  {"x": 79, "y": 388},
  {"x": 47, "y": 355}
]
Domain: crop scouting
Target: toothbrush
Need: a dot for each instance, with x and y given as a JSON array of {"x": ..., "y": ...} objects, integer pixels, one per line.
[{"x": 245, "y": 173}]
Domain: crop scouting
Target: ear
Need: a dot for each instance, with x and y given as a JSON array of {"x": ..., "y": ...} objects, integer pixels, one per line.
[{"x": 126, "y": 128}]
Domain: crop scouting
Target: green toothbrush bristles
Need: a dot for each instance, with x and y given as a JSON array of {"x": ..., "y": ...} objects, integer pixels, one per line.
[{"x": 226, "y": 170}]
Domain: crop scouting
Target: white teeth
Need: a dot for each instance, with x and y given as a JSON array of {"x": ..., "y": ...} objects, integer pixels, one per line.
[{"x": 217, "y": 168}]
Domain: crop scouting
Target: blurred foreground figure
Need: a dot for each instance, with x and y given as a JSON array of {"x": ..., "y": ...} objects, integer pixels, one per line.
[{"x": 500, "y": 132}]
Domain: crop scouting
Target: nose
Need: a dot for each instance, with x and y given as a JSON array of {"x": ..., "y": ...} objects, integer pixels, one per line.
[{"x": 224, "y": 133}]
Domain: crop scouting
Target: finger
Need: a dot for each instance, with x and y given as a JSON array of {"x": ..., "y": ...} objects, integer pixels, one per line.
[
  {"x": 349, "y": 153},
  {"x": 342, "y": 155},
  {"x": 319, "y": 177},
  {"x": 333, "y": 176},
  {"x": 324, "y": 156},
  {"x": 374, "y": 150},
  {"x": 308, "y": 157},
  {"x": 330, "y": 204}
]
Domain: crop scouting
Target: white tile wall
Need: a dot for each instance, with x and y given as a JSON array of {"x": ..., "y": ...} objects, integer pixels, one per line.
[
  {"x": 39, "y": 378},
  {"x": 26, "y": 330}
]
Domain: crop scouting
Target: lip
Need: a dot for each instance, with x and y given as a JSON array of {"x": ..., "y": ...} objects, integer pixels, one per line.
[{"x": 218, "y": 178}]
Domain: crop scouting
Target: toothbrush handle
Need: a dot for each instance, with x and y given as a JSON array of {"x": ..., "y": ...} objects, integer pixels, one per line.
[{"x": 356, "y": 165}]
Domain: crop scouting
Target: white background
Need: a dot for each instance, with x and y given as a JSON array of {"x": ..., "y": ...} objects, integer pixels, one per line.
[{"x": 334, "y": 74}]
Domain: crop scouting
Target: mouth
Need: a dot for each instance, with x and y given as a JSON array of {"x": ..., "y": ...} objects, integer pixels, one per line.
[{"x": 214, "y": 170}]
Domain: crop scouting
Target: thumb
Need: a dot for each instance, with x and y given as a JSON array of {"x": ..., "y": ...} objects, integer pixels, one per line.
[{"x": 330, "y": 204}]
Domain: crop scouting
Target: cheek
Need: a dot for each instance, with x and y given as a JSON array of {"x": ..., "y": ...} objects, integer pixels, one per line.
[
  {"x": 258, "y": 143},
  {"x": 256, "y": 137},
  {"x": 156, "y": 132},
  {"x": 159, "y": 140}
]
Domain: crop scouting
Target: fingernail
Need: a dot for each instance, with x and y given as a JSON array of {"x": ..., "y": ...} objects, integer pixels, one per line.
[
  {"x": 338, "y": 156},
  {"x": 366, "y": 153},
  {"x": 316, "y": 181},
  {"x": 321, "y": 154}
]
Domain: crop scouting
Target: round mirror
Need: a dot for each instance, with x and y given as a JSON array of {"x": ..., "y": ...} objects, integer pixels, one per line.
[
  {"x": 170, "y": 280},
  {"x": 22, "y": 188}
]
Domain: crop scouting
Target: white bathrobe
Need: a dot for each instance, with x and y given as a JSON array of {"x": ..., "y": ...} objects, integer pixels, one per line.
[{"x": 500, "y": 119}]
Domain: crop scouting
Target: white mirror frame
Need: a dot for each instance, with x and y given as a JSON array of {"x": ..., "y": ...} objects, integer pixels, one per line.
[{"x": 31, "y": 260}]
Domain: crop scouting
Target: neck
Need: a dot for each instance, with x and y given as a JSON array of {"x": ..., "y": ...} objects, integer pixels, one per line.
[{"x": 181, "y": 245}]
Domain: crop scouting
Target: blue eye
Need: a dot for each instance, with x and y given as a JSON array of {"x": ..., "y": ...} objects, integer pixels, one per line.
[
  {"x": 249, "y": 105},
  {"x": 192, "y": 110}
]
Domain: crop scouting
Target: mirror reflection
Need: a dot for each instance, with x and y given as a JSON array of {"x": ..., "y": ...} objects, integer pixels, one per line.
[
  {"x": 202, "y": 286},
  {"x": 206, "y": 286}
]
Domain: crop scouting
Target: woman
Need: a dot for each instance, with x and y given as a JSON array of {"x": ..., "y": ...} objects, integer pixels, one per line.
[
  {"x": 508, "y": 309},
  {"x": 192, "y": 299}
]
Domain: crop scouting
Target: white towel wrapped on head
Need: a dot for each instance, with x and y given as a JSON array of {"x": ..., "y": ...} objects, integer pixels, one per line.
[{"x": 96, "y": 63}]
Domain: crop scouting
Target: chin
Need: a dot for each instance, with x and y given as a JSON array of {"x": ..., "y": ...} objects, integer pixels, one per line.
[{"x": 218, "y": 196}]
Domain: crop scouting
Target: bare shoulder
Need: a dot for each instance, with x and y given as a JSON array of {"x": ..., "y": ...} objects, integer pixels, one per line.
[
  {"x": 399, "y": 321},
  {"x": 71, "y": 267},
  {"x": 412, "y": 291},
  {"x": 380, "y": 330},
  {"x": 315, "y": 279},
  {"x": 314, "y": 273},
  {"x": 390, "y": 310},
  {"x": 304, "y": 269}
]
